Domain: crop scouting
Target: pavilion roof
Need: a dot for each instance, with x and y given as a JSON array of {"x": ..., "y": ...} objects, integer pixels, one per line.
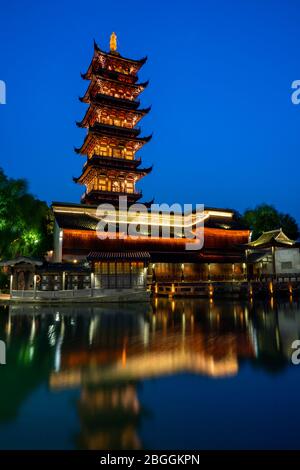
[
  {"x": 272, "y": 238},
  {"x": 21, "y": 260}
]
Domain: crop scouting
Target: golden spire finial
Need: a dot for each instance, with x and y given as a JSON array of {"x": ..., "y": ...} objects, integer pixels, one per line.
[{"x": 113, "y": 42}]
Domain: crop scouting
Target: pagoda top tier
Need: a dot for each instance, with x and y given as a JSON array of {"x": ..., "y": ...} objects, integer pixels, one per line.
[{"x": 112, "y": 61}]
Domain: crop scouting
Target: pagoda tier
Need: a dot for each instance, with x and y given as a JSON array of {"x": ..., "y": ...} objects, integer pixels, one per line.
[
  {"x": 115, "y": 88},
  {"x": 107, "y": 184},
  {"x": 117, "y": 179},
  {"x": 112, "y": 115},
  {"x": 113, "y": 139},
  {"x": 113, "y": 61}
]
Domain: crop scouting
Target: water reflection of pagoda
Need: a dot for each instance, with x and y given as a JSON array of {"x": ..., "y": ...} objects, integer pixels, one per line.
[
  {"x": 108, "y": 353},
  {"x": 122, "y": 352}
]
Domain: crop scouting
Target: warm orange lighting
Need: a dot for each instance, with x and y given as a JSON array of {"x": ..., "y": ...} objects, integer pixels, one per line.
[{"x": 124, "y": 356}]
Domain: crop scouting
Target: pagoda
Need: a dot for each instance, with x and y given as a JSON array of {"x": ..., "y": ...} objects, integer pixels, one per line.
[{"x": 113, "y": 138}]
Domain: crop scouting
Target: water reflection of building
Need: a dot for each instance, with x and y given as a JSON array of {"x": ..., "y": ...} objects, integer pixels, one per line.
[{"x": 107, "y": 353}]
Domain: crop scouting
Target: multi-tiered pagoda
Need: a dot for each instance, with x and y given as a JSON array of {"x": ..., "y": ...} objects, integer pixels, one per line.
[{"x": 112, "y": 168}]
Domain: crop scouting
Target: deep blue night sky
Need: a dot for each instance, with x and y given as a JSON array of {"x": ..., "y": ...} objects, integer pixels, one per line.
[{"x": 225, "y": 132}]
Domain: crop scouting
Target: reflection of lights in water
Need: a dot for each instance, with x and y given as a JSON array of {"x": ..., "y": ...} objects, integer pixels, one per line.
[
  {"x": 57, "y": 317},
  {"x": 124, "y": 356},
  {"x": 271, "y": 287},
  {"x": 146, "y": 334},
  {"x": 31, "y": 353},
  {"x": 251, "y": 291},
  {"x": 183, "y": 324},
  {"x": 33, "y": 330},
  {"x": 8, "y": 328},
  {"x": 277, "y": 338},
  {"x": 246, "y": 315},
  {"x": 192, "y": 323},
  {"x": 51, "y": 335},
  {"x": 153, "y": 323},
  {"x": 92, "y": 329},
  {"x": 57, "y": 357},
  {"x": 253, "y": 337}
]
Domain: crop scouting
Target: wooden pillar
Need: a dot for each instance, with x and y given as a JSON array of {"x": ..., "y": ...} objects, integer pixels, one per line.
[
  {"x": 274, "y": 261},
  {"x": 63, "y": 281},
  {"x": 245, "y": 274},
  {"x": 11, "y": 283},
  {"x": 34, "y": 285},
  {"x": 246, "y": 265},
  {"x": 130, "y": 274}
]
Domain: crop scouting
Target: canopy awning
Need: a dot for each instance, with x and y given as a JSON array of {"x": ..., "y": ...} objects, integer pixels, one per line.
[{"x": 118, "y": 256}]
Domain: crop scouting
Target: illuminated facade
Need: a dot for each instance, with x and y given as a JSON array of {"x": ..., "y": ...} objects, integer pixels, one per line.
[{"x": 112, "y": 169}]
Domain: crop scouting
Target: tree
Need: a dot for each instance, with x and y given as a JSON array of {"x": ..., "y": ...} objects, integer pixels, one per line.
[
  {"x": 26, "y": 223},
  {"x": 265, "y": 217}
]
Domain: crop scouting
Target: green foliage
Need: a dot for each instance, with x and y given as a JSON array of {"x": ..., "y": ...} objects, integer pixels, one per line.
[
  {"x": 265, "y": 217},
  {"x": 26, "y": 223}
]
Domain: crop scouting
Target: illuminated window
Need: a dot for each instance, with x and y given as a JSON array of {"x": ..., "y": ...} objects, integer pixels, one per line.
[{"x": 116, "y": 186}]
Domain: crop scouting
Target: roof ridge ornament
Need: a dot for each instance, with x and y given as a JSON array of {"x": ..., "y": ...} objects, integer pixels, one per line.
[{"x": 113, "y": 42}]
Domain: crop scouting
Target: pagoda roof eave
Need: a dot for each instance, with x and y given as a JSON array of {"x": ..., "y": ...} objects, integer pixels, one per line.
[
  {"x": 142, "y": 85},
  {"x": 136, "y": 171},
  {"x": 142, "y": 140},
  {"x": 106, "y": 132},
  {"x": 100, "y": 71},
  {"x": 139, "y": 112},
  {"x": 119, "y": 56},
  {"x": 119, "y": 102}
]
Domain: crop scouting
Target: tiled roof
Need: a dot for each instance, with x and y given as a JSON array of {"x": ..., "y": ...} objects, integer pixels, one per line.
[
  {"x": 76, "y": 221},
  {"x": 272, "y": 237},
  {"x": 21, "y": 259}
]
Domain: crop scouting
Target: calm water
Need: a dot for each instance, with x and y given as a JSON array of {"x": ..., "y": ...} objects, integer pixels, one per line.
[{"x": 178, "y": 375}]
